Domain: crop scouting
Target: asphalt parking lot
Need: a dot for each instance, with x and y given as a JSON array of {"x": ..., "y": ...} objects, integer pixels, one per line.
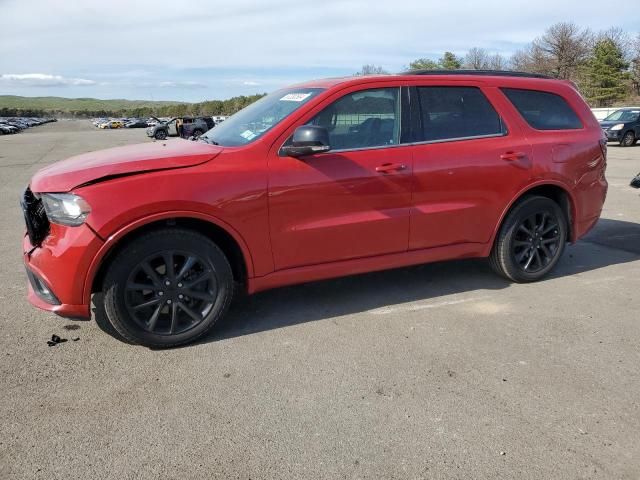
[{"x": 437, "y": 371}]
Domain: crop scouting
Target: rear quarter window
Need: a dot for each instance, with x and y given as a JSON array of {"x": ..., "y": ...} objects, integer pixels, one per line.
[{"x": 543, "y": 110}]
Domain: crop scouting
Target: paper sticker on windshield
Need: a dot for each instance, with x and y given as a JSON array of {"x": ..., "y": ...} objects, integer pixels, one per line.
[
  {"x": 248, "y": 134},
  {"x": 295, "y": 97}
]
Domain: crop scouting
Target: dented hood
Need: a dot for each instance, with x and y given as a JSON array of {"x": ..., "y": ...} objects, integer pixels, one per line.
[{"x": 113, "y": 162}]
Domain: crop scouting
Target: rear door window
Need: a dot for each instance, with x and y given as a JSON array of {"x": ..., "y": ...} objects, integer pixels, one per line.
[
  {"x": 449, "y": 113},
  {"x": 543, "y": 110}
]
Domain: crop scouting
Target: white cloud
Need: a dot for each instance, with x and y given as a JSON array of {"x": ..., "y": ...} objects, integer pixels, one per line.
[
  {"x": 43, "y": 80},
  {"x": 251, "y": 83},
  {"x": 186, "y": 84}
]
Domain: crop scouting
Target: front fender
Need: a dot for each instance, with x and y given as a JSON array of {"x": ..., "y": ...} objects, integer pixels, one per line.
[{"x": 113, "y": 240}]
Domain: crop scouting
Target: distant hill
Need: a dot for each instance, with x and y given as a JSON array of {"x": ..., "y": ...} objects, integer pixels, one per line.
[
  {"x": 12, "y": 105},
  {"x": 60, "y": 104}
]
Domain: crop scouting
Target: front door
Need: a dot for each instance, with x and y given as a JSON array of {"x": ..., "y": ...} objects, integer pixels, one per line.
[{"x": 352, "y": 201}]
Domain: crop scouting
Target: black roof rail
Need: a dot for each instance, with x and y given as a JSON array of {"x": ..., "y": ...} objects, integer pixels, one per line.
[{"x": 497, "y": 73}]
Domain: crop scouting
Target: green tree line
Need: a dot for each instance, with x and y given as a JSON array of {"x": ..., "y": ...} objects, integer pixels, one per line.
[{"x": 90, "y": 108}]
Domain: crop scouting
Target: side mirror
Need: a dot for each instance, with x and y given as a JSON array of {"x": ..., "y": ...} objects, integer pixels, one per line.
[{"x": 308, "y": 139}]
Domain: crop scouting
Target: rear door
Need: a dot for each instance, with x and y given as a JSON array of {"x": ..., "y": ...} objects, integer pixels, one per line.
[
  {"x": 469, "y": 161},
  {"x": 565, "y": 138},
  {"x": 352, "y": 201}
]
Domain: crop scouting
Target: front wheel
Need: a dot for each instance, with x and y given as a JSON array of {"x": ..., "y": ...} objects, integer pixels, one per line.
[
  {"x": 167, "y": 288},
  {"x": 531, "y": 240},
  {"x": 628, "y": 139},
  {"x": 160, "y": 135}
]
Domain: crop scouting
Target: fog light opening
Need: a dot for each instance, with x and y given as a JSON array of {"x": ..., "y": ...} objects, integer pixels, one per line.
[{"x": 41, "y": 289}]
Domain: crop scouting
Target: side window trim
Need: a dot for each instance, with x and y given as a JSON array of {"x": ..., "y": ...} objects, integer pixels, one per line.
[{"x": 406, "y": 129}]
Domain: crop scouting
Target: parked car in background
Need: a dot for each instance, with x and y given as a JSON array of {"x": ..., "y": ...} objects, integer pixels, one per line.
[
  {"x": 602, "y": 113},
  {"x": 323, "y": 179},
  {"x": 112, "y": 124},
  {"x": 194, "y": 127},
  {"x": 17, "y": 124},
  {"x": 623, "y": 126},
  {"x": 136, "y": 123},
  {"x": 180, "y": 127},
  {"x": 6, "y": 129}
]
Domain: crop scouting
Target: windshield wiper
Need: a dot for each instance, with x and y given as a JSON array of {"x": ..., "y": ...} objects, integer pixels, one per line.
[{"x": 207, "y": 140}]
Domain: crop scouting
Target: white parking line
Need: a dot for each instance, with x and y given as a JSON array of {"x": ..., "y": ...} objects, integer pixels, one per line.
[{"x": 413, "y": 307}]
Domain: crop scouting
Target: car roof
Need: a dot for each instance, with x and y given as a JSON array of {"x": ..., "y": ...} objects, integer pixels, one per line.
[{"x": 485, "y": 76}]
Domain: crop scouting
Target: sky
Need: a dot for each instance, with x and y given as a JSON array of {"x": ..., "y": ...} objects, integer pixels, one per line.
[{"x": 201, "y": 50}]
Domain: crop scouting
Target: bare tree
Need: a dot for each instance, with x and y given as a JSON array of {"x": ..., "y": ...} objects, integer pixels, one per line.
[
  {"x": 532, "y": 59},
  {"x": 635, "y": 65},
  {"x": 371, "y": 70},
  {"x": 520, "y": 61},
  {"x": 620, "y": 38},
  {"x": 497, "y": 62},
  {"x": 564, "y": 48},
  {"x": 476, "y": 59}
]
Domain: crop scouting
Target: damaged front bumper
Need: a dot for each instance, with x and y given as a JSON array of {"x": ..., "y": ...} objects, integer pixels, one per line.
[{"x": 57, "y": 270}]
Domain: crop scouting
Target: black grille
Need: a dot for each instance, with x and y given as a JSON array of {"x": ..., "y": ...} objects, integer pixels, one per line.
[{"x": 35, "y": 217}]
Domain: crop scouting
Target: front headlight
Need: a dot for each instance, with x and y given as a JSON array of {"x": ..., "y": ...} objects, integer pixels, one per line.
[
  {"x": 619, "y": 126},
  {"x": 65, "y": 208}
]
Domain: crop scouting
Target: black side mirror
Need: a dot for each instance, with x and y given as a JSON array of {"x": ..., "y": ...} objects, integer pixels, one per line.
[{"x": 308, "y": 139}]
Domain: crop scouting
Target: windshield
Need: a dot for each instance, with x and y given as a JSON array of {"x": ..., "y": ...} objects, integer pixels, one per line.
[
  {"x": 252, "y": 122},
  {"x": 623, "y": 116}
]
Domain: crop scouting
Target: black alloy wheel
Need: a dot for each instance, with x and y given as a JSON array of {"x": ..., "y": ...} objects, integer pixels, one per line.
[
  {"x": 530, "y": 241},
  {"x": 167, "y": 287},
  {"x": 536, "y": 242},
  {"x": 170, "y": 292}
]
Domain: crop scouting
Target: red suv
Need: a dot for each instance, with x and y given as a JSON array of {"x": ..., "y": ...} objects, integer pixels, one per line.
[{"x": 323, "y": 179}]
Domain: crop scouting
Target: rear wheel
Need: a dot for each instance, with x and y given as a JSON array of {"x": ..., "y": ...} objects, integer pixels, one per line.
[
  {"x": 628, "y": 139},
  {"x": 531, "y": 240},
  {"x": 197, "y": 133},
  {"x": 167, "y": 288}
]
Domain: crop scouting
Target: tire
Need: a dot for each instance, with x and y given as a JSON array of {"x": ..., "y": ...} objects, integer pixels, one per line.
[
  {"x": 176, "y": 307},
  {"x": 197, "y": 133},
  {"x": 527, "y": 246},
  {"x": 160, "y": 135},
  {"x": 628, "y": 139}
]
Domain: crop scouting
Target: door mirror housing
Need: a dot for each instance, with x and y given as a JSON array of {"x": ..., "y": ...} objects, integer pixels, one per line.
[{"x": 307, "y": 140}]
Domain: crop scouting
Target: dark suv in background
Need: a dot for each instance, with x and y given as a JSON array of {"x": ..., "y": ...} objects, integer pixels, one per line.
[
  {"x": 623, "y": 126},
  {"x": 180, "y": 127}
]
